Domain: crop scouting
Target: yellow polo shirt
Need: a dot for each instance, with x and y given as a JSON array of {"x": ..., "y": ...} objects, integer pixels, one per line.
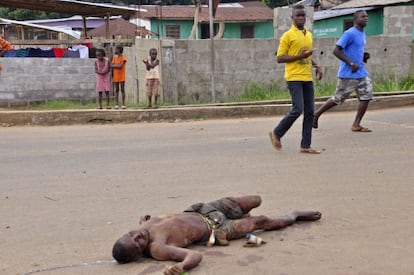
[{"x": 292, "y": 43}]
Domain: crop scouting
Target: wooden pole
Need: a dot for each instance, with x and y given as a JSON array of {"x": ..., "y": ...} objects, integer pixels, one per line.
[
  {"x": 85, "y": 30},
  {"x": 213, "y": 89},
  {"x": 108, "y": 18}
]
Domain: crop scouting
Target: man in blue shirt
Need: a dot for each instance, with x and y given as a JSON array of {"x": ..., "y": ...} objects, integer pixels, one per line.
[{"x": 352, "y": 75}]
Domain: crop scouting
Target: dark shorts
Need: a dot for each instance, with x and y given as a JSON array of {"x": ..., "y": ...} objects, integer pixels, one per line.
[{"x": 221, "y": 212}]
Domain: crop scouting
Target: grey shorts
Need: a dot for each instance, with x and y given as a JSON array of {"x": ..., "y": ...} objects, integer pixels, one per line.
[{"x": 345, "y": 86}]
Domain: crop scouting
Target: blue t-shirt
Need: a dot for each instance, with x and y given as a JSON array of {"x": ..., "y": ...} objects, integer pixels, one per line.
[{"x": 353, "y": 43}]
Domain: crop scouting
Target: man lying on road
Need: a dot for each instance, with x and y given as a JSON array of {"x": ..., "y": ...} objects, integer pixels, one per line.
[{"x": 164, "y": 238}]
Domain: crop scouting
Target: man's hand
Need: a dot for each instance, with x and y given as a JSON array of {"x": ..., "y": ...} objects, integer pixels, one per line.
[
  {"x": 186, "y": 259},
  {"x": 354, "y": 67},
  {"x": 366, "y": 57},
  {"x": 175, "y": 269},
  {"x": 305, "y": 54},
  {"x": 319, "y": 73}
]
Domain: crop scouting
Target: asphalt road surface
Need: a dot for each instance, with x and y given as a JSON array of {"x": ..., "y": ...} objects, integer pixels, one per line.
[{"x": 68, "y": 192}]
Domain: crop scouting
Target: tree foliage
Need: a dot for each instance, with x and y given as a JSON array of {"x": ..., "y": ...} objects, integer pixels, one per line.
[
  {"x": 22, "y": 14},
  {"x": 279, "y": 3}
]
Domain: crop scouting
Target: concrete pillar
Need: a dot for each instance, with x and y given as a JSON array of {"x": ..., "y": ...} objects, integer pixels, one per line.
[
  {"x": 398, "y": 20},
  {"x": 168, "y": 71}
]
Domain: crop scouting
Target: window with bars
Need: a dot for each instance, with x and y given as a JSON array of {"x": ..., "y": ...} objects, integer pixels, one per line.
[
  {"x": 173, "y": 31},
  {"x": 246, "y": 31},
  {"x": 348, "y": 24}
]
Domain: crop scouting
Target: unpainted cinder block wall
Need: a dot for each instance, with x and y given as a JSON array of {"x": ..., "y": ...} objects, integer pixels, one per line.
[{"x": 26, "y": 80}]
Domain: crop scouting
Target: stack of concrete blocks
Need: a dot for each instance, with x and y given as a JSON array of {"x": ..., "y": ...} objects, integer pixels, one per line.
[
  {"x": 27, "y": 80},
  {"x": 238, "y": 63},
  {"x": 399, "y": 22}
]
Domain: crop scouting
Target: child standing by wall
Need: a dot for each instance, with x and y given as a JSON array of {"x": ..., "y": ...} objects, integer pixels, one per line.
[
  {"x": 152, "y": 76},
  {"x": 103, "y": 82},
  {"x": 119, "y": 70},
  {"x": 4, "y": 46}
]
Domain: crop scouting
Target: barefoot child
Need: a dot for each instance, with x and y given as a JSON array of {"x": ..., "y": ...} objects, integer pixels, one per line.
[
  {"x": 102, "y": 69},
  {"x": 119, "y": 68},
  {"x": 153, "y": 77}
]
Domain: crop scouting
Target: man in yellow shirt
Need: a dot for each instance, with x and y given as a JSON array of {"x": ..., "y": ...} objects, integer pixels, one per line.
[
  {"x": 4, "y": 46},
  {"x": 295, "y": 49}
]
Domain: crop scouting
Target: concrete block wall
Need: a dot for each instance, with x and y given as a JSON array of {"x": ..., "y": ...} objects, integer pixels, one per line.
[
  {"x": 25, "y": 80},
  {"x": 398, "y": 20},
  {"x": 238, "y": 63},
  {"x": 389, "y": 56}
]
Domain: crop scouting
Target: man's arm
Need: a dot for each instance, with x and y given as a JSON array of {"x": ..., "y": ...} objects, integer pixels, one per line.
[
  {"x": 319, "y": 73},
  {"x": 187, "y": 259},
  {"x": 293, "y": 58},
  {"x": 149, "y": 65},
  {"x": 338, "y": 52}
]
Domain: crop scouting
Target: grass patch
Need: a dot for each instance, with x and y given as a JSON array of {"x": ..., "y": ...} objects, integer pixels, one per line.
[
  {"x": 74, "y": 104},
  {"x": 63, "y": 105},
  {"x": 393, "y": 84},
  {"x": 258, "y": 92}
]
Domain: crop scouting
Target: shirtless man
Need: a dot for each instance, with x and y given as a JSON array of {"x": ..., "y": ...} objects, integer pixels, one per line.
[{"x": 164, "y": 238}]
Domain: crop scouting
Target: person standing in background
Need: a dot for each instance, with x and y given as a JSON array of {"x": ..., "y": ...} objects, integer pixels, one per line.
[
  {"x": 103, "y": 81},
  {"x": 153, "y": 77},
  {"x": 4, "y": 46},
  {"x": 119, "y": 74}
]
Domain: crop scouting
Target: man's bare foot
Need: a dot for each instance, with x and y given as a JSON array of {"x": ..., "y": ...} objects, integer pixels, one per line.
[{"x": 308, "y": 215}]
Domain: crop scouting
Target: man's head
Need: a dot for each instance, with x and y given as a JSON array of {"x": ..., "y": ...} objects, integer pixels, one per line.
[
  {"x": 299, "y": 16},
  {"x": 131, "y": 246},
  {"x": 360, "y": 18}
]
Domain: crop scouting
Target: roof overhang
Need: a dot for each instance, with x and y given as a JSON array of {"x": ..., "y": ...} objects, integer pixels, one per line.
[
  {"x": 325, "y": 14},
  {"x": 369, "y": 3},
  {"x": 71, "y": 33},
  {"x": 69, "y": 7}
]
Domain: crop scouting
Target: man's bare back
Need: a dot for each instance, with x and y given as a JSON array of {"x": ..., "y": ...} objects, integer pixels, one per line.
[{"x": 165, "y": 238}]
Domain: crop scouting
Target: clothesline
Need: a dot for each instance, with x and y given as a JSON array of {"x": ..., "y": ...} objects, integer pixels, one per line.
[
  {"x": 76, "y": 51},
  {"x": 72, "y": 42}
]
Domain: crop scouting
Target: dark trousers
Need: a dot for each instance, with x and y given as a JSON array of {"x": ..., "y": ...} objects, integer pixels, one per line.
[{"x": 302, "y": 94}]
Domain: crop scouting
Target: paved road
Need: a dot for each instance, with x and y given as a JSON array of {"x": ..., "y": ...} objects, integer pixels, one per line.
[{"x": 68, "y": 192}]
